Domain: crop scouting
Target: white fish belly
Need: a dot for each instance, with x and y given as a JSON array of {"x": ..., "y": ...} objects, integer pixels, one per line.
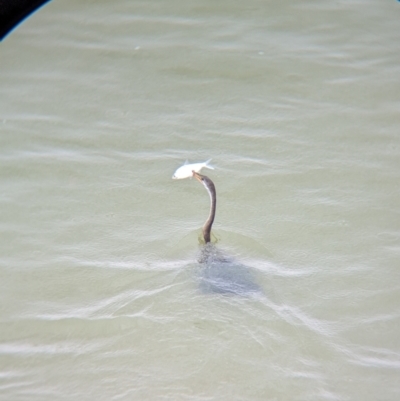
[{"x": 186, "y": 171}]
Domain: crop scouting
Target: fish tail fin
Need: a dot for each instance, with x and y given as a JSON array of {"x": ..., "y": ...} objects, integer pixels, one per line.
[{"x": 208, "y": 165}]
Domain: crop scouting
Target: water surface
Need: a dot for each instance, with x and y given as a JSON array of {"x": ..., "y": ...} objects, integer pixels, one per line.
[{"x": 101, "y": 292}]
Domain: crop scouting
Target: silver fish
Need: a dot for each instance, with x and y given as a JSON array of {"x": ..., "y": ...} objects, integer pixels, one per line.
[{"x": 186, "y": 170}]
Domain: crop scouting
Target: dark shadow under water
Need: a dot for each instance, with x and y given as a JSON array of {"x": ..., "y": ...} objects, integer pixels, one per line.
[{"x": 221, "y": 274}]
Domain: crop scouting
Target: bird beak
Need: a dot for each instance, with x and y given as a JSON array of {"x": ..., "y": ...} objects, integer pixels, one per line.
[{"x": 196, "y": 175}]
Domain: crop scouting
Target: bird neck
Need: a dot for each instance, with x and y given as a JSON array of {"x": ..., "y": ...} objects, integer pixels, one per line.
[{"x": 209, "y": 222}]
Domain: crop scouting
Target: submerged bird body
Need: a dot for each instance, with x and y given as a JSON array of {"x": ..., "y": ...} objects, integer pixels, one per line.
[{"x": 186, "y": 170}]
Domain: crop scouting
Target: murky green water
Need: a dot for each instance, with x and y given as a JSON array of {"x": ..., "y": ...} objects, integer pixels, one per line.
[{"x": 102, "y": 296}]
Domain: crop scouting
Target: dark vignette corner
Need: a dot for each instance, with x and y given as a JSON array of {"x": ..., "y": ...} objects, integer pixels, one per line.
[{"x": 12, "y": 12}]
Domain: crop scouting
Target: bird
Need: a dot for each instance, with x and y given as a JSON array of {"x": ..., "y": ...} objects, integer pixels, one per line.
[
  {"x": 222, "y": 274},
  {"x": 210, "y": 187}
]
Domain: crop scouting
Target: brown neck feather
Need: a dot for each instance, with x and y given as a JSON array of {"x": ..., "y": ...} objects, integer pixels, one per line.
[{"x": 213, "y": 197}]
